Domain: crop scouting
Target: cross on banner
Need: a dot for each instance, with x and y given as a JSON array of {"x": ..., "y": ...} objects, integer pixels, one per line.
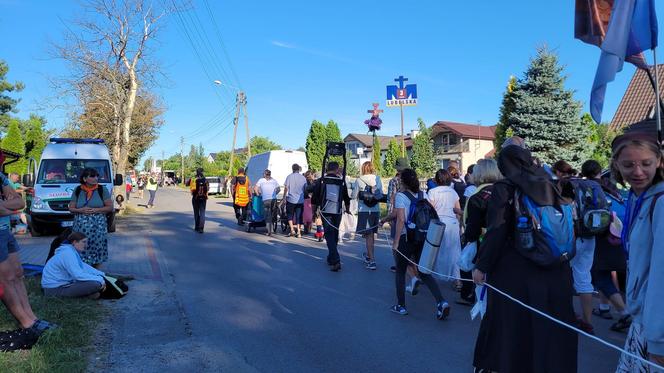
[
  {"x": 375, "y": 111},
  {"x": 400, "y": 80}
]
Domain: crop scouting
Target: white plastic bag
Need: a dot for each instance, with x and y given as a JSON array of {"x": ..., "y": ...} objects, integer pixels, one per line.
[
  {"x": 467, "y": 255},
  {"x": 347, "y": 226},
  {"x": 480, "y": 306}
]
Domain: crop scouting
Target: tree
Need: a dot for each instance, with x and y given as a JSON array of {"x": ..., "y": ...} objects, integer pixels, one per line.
[
  {"x": 7, "y": 103},
  {"x": 547, "y": 116},
  {"x": 107, "y": 55},
  {"x": 260, "y": 144},
  {"x": 506, "y": 109},
  {"x": 332, "y": 132},
  {"x": 14, "y": 142},
  {"x": 375, "y": 154},
  {"x": 601, "y": 136},
  {"x": 423, "y": 160},
  {"x": 351, "y": 166},
  {"x": 393, "y": 153},
  {"x": 35, "y": 138},
  {"x": 315, "y": 145}
]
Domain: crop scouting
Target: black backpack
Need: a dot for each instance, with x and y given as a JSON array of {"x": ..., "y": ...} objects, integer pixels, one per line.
[
  {"x": 368, "y": 196},
  {"x": 201, "y": 188},
  {"x": 420, "y": 215},
  {"x": 592, "y": 208}
]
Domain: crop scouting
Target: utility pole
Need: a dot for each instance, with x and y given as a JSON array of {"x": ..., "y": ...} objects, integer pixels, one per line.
[
  {"x": 182, "y": 159},
  {"x": 240, "y": 104},
  {"x": 162, "y": 165}
]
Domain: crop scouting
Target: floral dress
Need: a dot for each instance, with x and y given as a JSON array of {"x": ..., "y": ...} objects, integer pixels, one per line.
[{"x": 94, "y": 226}]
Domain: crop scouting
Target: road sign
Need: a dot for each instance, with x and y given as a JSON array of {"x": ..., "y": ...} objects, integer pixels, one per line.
[{"x": 401, "y": 95}]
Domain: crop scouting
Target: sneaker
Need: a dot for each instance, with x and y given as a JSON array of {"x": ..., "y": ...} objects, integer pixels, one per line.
[
  {"x": 393, "y": 269},
  {"x": 19, "y": 339},
  {"x": 335, "y": 267},
  {"x": 409, "y": 289},
  {"x": 401, "y": 310},
  {"x": 366, "y": 258},
  {"x": 371, "y": 266},
  {"x": 622, "y": 324},
  {"x": 442, "y": 310},
  {"x": 299, "y": 235},
  {"x": 605, "y": 314}
]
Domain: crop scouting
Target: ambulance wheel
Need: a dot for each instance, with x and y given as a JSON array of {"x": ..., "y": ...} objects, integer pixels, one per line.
[
  {"x": 248, "y": 228},
  {"x": 35, "y": 230}
]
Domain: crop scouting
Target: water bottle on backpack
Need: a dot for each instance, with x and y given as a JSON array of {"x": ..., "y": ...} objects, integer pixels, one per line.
[{"x": 525, "y": 233}]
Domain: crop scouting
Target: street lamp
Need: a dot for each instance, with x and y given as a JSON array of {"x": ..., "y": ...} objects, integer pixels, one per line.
[{"x": 219, "y": 82}]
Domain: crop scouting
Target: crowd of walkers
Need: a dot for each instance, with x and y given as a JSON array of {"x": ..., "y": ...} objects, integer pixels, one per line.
[{"x": 542, "y": 234}]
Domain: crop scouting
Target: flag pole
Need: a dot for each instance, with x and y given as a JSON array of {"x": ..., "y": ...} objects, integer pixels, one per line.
[{"x": 657, "y": 109}]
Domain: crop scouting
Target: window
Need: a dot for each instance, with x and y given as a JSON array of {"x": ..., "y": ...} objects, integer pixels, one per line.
[{"x": 55, "y": 171}]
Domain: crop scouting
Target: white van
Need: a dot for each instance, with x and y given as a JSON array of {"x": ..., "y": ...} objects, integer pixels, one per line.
[
  {"x": 57, "y": 176},
  {"x": 279, "y": 162},
  {"x": 214, "y": 183}
]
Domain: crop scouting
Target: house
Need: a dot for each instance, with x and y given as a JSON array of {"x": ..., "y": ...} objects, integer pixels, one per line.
[
  {"x": 360, "y": 146},
  {"x": 638, "y": 103},
  {"x": 211, "y": 157},
  {"x": 461, "y": 142}
]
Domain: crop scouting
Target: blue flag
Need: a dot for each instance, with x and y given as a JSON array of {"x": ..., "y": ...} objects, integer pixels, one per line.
[{"x": 631, "y": 29}]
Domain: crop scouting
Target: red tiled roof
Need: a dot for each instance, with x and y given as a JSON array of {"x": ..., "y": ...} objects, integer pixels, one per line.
[
  {"x": 490, "y": 154},
  {"x": 367, "y": 140},
  {"x": 472, "y": 131},
  {"x": 638, "y": 101}
]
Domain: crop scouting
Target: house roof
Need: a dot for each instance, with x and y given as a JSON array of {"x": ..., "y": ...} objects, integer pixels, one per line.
[
  {"x": 472, "y": 131},
  {"x": 367, "y": 140},
  {"x": 213, "y": 155},
  {"x": 638, "y": 102}
]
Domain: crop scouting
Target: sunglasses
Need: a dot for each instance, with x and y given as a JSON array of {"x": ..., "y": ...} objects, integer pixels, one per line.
[{"x": 92, "y": 176}]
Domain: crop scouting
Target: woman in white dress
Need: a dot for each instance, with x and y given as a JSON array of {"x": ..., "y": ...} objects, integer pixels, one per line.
[{"x": 446, "y": 202}]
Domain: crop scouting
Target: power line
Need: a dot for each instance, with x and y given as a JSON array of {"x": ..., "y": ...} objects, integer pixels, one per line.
[
  {"x": 221, "y": 42},
  {"x": 212, "y": 126}
]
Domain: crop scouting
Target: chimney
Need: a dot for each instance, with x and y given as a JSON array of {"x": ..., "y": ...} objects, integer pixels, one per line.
[{"x": 414, "y": 133}]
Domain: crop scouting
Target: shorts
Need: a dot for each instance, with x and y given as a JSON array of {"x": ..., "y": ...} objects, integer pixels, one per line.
[
  {"x": 294, "y": 212},
  {"x": 8, "y": 244},
  {"x": 582, "y": 263},
  {"x": 367, "y": 223}
]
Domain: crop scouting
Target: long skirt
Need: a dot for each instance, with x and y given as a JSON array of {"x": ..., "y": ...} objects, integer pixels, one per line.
[
  {"x": 450, "y": 250},
  {"x": 94, "y": 227}
]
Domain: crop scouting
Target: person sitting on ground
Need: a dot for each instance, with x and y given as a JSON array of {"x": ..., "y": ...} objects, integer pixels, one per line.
[{"x": 66, "y": 275}]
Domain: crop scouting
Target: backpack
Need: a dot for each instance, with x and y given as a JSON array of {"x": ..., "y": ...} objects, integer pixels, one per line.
[
  {"x": 368, "y": 196},
  {"x": 329, "y": 195},
  {"x": 552, "y": 230},
  {"x": 241, "y": 191},
  {"x": 420, "y": 215},
  {"x": 592, "y": 208},
  {"x": 460, "y": 189},
  {"x": 201, "y": 190}
]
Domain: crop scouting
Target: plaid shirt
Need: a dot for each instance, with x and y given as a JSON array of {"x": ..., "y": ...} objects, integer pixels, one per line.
[{"x": 393, "y": 188}]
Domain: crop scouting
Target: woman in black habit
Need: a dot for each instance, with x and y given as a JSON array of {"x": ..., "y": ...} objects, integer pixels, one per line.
[{"x": 513, "y": 339}]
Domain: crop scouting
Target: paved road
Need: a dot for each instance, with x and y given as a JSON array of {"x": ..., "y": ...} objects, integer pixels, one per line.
[{"x": 233, "y": 301}]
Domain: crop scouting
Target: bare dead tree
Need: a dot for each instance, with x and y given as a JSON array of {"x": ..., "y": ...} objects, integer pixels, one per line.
[{"x": 108, "y": 53}]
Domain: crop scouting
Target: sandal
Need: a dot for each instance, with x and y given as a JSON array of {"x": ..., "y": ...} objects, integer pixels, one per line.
[
  {"x": 622, "y": 324},
  {"x": 605, "y": 314}
]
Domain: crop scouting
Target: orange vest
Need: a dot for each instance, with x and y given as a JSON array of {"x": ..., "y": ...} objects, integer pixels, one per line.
[{"x": 242, "y": 191}]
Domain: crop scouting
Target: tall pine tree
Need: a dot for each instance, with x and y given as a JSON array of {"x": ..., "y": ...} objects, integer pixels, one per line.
[
  {"x": 376, "y": 151},
  {"x": 546, "y": 114},
  {"x": 14, "y": 142},
  {"x": 332, "y": 132},
  {"x": 424, "y": 158},
  {"x": 507, "y": 107},
  {"x": 393, "y": 153},
  {"x": 315, "y": 145}
]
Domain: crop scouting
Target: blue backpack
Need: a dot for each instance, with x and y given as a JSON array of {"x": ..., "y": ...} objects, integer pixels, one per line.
[{"x": 553, "y": 239}]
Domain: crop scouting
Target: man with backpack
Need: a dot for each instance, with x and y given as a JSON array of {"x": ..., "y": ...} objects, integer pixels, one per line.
[
  {"x": 593, "y": 219},
  {"x": 329, "y": 193},
  {"x": 199, "y": 193},
  {"x": 241, "y": 194}
]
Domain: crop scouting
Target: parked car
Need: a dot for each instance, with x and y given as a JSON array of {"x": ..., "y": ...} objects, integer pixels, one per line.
[{"x": 216, "y": 184}]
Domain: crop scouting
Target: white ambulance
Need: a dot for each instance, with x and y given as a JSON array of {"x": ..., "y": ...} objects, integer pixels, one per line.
[{"x": 56, "y": 177}]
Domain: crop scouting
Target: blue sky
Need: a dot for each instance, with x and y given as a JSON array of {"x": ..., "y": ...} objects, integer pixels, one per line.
[{"x": 303, "y": 60}]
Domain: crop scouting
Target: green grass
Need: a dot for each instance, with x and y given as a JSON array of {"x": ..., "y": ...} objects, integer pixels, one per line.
[{"x": 63, "y": 350}]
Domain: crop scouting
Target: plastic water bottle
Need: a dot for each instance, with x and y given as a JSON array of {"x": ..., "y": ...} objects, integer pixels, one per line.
[{"x": 525, "y": 232}]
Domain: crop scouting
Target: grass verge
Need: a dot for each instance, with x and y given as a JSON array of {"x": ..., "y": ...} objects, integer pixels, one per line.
[{"x": 61, "y": 350}]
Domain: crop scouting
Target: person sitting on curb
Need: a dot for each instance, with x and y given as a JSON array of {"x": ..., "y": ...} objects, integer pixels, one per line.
[{"x": 66, "y": 275}]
